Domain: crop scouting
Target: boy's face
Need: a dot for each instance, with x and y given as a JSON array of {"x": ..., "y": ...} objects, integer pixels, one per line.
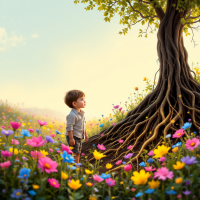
[{"x": 80, "y": 103}]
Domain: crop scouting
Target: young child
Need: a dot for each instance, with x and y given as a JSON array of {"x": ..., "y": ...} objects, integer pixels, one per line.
[{"x": 75, "y": 130}]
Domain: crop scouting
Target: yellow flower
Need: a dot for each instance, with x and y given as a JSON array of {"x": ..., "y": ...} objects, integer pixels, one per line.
[
  {"x": 0, "y": 140},
  {"x": 64, "y": 176},
  {"x": 179, "y": 165},
  {"x": 15, "y": 151},
  {"x": 145, "y": 78},
  {"x": 153, "y": 184},
  {"x": 35, "y": 187},
  {"x": 71, "y": 148},
  {"x": 161, "y": 151},
  {"x": 192, "y": 133},
  {"x": 50, "y": 126},
  {"x": 140, "y": 178},
  {"x": 75, "y": 184},
  {"x": 172, "y": 187},
  {"x": 26, "y": 151},
  {"x": 121, "y": 182},
  {"x": 45, "y": 153},
  {"x": 92, "y": 198},
  {"x": 113, "y": 197},
  {"x": 89, "y": 184},
  {"x": 108, "y": 166},
  {"x": 178, "y": 180},
  {"x": 62, "y": 136},
  {"x": 85, "y": 156},
  {"x": 175, "y": 149},
  {"x": 88, "y": 171},
  {"x": 98, "y": 155},
  {"x": 20, "y": 151}
]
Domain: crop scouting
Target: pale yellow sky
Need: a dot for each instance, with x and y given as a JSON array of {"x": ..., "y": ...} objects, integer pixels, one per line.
[{"x": 87, "y": 54}]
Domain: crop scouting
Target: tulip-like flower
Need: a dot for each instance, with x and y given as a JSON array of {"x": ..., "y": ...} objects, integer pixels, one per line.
[
  {"x": 15, "y": 125},
  {"x": 41, "y": 123},
  {"x": 128, "y": 167},
  {"x": 36, "y": 142},
  {"x": 6, "y": 153},
  {"x": 75, "y": 184},
  {"x": 5, "y": 165},
  {"x": 98, "y": 155}
]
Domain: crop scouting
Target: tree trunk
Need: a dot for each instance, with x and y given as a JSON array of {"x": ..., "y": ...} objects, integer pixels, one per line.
[{"x": 175, "y": 98}]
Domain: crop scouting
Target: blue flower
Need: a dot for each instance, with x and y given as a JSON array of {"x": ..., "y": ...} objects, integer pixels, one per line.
[
  {"x": 67, "y": 157},
  {"x": 110, "y": 119},
  {"x": 58, "y": 132},
  {"x": 178, "y": 144},
  {"x": 27, "y": 198},
  {"x": 93, "y": 145},
  {"x": 32, "y": 192},
  {"x": 16, "y": 194},
  {"x": 139, "y": 194},
  {"x": 186, "y": 126},
  {"x": 102, "y": 115},
  {"x": 26, "y": 133},
  {"x": 37, "y": 130},
  {"x": 16, "y": 136},
  {"x": 60, "y": 141},
  {"x": 142, "y": 164},
  {"x": 17, "y": 120},
  {"x": 57, "y": 149},
  {"x": 171, "y": 192},
  {"x": 168, "y": 135},
  {"x": 71, "y": 167},
  {"x": 81, "y": 179},
  {"x": 24, "y": 173},
  {"x": 150, "y": 160},
  {"x": 101, "y": 125},
  {"x": 21, "y": 136},
  {"x": 35, "y": 172},
  {"x": 79, "y": 164},
  {"x": 195, "y": 132},
  {"x": 49, "y": 139},
  {"x": 104, "y": 176},
  {"x": 149, "y": 191},
  {"x": 123, "y": 163}
]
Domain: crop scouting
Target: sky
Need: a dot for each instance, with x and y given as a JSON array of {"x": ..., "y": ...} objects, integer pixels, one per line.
[{"x": 50, "y": 47}]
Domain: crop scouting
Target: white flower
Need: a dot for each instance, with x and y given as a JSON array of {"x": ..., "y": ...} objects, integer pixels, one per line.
[
  {"x": 168, "y": 136},
  {"x": 96, "y": 190}
]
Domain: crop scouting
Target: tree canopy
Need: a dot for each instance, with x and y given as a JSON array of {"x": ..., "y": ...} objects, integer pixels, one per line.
[{"x": 149, "y": 11}]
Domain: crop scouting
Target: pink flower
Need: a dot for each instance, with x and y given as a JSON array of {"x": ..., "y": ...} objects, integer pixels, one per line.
[
  {"x": 123, "y": 111},
  {"x": 151, "y": 153},
  {"x": 128, "y": 167},
  {"x": 179, "y": 133},
  {"x": 15, "y": 142},
  {"x": 192, "y": 144},
  {"x": 113, "y": 124},
  {"x": 3, "y": 127},
  {"x": 133, "y": 189},
  {"x": 97, "y": 178},
  {"x": 149, "y": 169},
  {"x": 118, "y": 162},
  {"x": 110, "y": 182},
  {"x": 101, "y": 146},
  {"x": 163, "y": 164},
  {"x": 31, "y": 130},
  {"x": 162, "y": 159},
  {"x": 53, "y": 182},
  {"x": 51, "y": 150},
  {"x": 120, "y": 108},
  {"x": 82, "y": 154},
  {"x": 36, "y": 142},
  {"x": 36, "y": 154},
  {"x": 6, "y": 153},
  {"x": 41, "y": 123},
  {"x": 102, "y": 135},
  {"x": 15, "y": 125},
  {"x": 47, "y": 165},
  {"x": 178, "y": 196},
  {"x": 130, "y": 147},
  {"x": 66, "y": 148},
  {"x": 5, "y": 165},
  {"x": 163, "y": 173},
  {"x": 52, "y": 135},
  {"x": 4, "y": 117},
  {"x": 120, "y": 141}
]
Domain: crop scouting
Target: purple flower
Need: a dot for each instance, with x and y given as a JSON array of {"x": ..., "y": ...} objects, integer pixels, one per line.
[
  {"x": 6, "y": 132},
  {"x": 189, "y": 120},
  {"x": 189, "y": 161},
  {"x": 187, "y": 182},
  {"x": 49, "y": 139},
  {"x": 24, "y": 158},
  {"x": 186, "y": 192},
  {"x": 128, "y": 155}
]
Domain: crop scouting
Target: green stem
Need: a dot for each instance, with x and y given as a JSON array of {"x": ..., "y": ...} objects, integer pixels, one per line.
[{"x": 103, "y": 189}]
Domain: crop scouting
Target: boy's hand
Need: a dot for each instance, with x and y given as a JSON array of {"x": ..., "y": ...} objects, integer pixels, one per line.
[
  {"x": 86, "y": 137},
  {"x": 71, "y": 142}
]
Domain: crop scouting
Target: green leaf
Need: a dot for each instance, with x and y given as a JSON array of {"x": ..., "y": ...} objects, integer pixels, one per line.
[
  {"x": 41, "y": 198},
  {"x": 61, "y": 197}
]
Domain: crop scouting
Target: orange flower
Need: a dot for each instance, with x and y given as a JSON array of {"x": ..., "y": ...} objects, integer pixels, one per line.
[{"x": 136, "y": 88}]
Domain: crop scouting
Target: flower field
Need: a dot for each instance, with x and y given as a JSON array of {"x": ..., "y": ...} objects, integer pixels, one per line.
[{"x": 37, "y": 163}]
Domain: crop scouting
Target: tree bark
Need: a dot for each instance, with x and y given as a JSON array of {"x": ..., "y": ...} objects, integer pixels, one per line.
[{"x": 176, "y": 97}]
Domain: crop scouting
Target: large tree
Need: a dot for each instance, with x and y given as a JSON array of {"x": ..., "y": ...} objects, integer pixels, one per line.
[{"x": 177, "y": 94}]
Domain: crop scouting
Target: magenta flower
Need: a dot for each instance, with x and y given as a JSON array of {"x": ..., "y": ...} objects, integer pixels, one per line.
[
  {"x": 162, "y": 159},
  {"x": 120, "y": 108},
  {"x": 117, "y": 106},
  {"x": 97, "y": 178},
  {"x": 15, "y": 142},
  {"x": 128, "y": 155},
  {"x": 53, "y": 182},
  {"x": 36, "y": 154},
  {"x": 151, "y": 153},
  {"x": 5, "y": 165},
  {"x": 47, "y": 165},
  {"x": 101, "y": 146},
  {"x": 130, "y": 147},
  {"x": 102, "y": 135},
  {"x": 192, "y": 144},
  {"x": 110, "y": 182},
  {"x": 36, "y": 142},
  {"x": 6, "y": 153},
  {"x": 128, "y": 167},
  {"x": 120, "y": 141},
  {"x": 179, "y": 133},
  {"x": 41, "y": 123},
  {"x": 163, "y": 173},
  {"x": 31, "y": 130},
  {"x": 118, "y": 162},
  {"x": 149, "y": 169},
  {"x": 3, "y": 127},
  {"x": 66, "y": 148},
  {"x": 51, "y": 150},
  {"x": 15, "y": 125}
]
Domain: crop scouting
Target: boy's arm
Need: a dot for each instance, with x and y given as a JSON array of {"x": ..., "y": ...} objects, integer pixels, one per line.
[{"x": 70, "y": 134}]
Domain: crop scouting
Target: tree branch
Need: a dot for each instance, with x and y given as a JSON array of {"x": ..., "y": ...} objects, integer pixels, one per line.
[
  {"x": 159, "y": 11},
  {"x": 193, "y": 22}
]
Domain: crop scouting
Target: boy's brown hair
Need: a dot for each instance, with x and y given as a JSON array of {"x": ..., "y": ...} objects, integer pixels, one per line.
[{"x": 72, "y": 96}]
